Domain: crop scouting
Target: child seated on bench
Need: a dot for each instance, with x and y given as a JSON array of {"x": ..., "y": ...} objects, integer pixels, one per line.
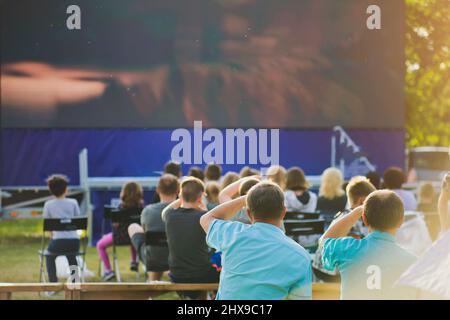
[
  {"x": 58, "y": 208},
  {"x": 258, "y": 260},
  {"x": 155, "y": 258},
  {"x": 189, "y": 256},
  {"x": 369, "y": 267}
]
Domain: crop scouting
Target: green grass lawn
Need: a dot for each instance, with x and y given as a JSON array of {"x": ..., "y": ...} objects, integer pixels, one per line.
[{"x": 20, "y": 241}]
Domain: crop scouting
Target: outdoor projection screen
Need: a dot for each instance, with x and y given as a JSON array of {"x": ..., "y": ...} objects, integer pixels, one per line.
[{"x": 229, "y": 63}]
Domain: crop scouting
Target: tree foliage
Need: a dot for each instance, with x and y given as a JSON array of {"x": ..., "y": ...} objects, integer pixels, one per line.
[{"x": 428, "y": 72}]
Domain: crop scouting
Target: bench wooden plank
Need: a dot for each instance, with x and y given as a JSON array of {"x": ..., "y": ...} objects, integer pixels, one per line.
[
  {"x": 132, "y": 291},
  {"x": 136, "y": 291},
  {"x": 326, "y": 291},
  {"x": 114, "y": 295},
  {"x": 30, "y": 287},
  {"x": 131, "y": 286},
  {"x": 5, "y": 295},
  {"x": 7, "y": 289}
]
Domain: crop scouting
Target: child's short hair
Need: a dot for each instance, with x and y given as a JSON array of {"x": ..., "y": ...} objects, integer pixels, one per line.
[
  {"x": 394, "y": 178},
  {"x": 229, "y": 178},
  {"x": 57, "y": 184},
  {"x": 296, "y": 180},
  {"x": 168, "y": 185},
  {"x": 247, "y": 185},
  {"x": 174, "y": 168},
  {"x": 212, "y": 191},
  {"x": 265, "y": 201},
  {"x": 383, "y": 210},
  {"x": 248, "y": 172},
  {"x": 191, "y": 189},
  {"x": 427, "y": 192},
  {"x": 374, "y": 178},
  {"x": 213, "y": 172},
  {"x": 358, "y": 187},
  {"x": 196, "y": 172}
]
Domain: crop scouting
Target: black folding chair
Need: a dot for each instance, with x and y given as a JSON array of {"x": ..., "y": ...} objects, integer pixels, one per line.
[
  {"x": 297, "y": 215},
  {"x": 156, "y": 239},
  {"x": 297, "y": 228},
  {"x": 73, "y": 224},
  {"x": 123, "y": 217}
]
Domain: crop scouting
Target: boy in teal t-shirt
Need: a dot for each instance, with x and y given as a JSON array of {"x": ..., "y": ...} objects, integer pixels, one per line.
[
  {"x": 369, "y": 267},
  {"x": 258, "y": 260}
]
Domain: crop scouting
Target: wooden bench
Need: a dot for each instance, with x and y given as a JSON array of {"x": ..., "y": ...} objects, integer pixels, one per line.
[
  {"x": 7, "y": 289},
  {"x": 135, "y": 291},
  {"x": 326, "y": 291}
]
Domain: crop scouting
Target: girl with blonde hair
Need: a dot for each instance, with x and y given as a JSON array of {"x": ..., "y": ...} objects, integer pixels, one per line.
[
  {"x": 277, "y": 175},
  {"x": 332, "y": 198}
]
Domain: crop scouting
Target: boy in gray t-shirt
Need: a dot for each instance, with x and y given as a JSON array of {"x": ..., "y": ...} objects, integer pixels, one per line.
[
  {"x": 62, "y": 242},
  {"x": 154, "y": 257},
  {"x": 62, "y": 208}
]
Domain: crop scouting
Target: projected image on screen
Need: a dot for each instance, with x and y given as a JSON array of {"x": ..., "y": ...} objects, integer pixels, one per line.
[{"x": 229, "y": 63}]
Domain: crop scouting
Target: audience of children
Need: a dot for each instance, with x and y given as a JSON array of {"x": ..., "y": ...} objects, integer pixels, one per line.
[
  {"x": 297, "y": 196},
  {"x": 154, "y": 257},
  {"x": 393, "y": 179},
  {"x": 243, "y": 221},
  {"x": 369, "y": 267},
  {"x": 131, "y": 197},
  {"x": 60, "y": 207},
  {"x": 258, "y": 260}
]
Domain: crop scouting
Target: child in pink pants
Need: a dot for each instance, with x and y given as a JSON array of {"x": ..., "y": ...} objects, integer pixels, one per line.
[
  {"x": 105, "y": 242},
  {"x": 131, "y": 196}
]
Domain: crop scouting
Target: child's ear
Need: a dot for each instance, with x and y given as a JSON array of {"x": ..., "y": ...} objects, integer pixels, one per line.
[
  {"x": 365, "y": 219},
  {"x": 401, "y": 222},
  {"x": 361, "y": 201},
  {"x": 249, "y": 215},
  {"x": 283, "y": 213}
]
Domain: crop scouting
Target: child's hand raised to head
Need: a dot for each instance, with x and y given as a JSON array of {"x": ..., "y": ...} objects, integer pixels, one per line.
[{"x": 446, "y": 184}]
